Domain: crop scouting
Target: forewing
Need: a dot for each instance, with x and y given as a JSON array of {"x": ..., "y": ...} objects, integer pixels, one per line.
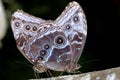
[{"x": 73, "y": 23}]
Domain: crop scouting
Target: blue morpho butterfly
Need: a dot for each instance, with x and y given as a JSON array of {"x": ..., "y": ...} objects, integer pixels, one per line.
[{"x": 56, "y": 45}]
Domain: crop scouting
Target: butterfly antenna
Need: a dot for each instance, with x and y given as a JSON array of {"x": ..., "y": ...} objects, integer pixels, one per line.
[{"x": 23, "y": 63}]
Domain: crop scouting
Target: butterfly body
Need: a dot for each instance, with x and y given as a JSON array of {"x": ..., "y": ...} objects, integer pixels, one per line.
[{"x": 47, "y": 44}]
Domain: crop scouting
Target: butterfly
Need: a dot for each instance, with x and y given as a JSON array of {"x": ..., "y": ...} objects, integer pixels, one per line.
[{"x": 51, "y": 44}]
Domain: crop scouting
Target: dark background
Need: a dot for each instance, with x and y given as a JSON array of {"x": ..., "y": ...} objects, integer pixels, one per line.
[{"x": 102, "y": 45}]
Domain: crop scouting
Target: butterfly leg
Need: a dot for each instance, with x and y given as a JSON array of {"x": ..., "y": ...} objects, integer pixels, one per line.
[{"x": 71, "y": 68}]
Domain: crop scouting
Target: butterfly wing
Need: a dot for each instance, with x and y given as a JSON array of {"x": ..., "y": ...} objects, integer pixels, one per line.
[
  {"x": 48, "y": 48},
  {"x": 25, "y": 26},
  {"x": 74, "y": 25},
  {"x": 71, "y": 25},
  {"x": 64, "y": 38}
]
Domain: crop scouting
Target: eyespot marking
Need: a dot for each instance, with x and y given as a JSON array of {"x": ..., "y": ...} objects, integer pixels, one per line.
[
  {"x": 46, "y": 46},
  {"x": 59, "y": 40},
  {"x": 43, "y": 52},
  {"x": 27, "y": 27},
  {"x": 34, "y": 28},
  {"x": 76, "y": 19}
]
